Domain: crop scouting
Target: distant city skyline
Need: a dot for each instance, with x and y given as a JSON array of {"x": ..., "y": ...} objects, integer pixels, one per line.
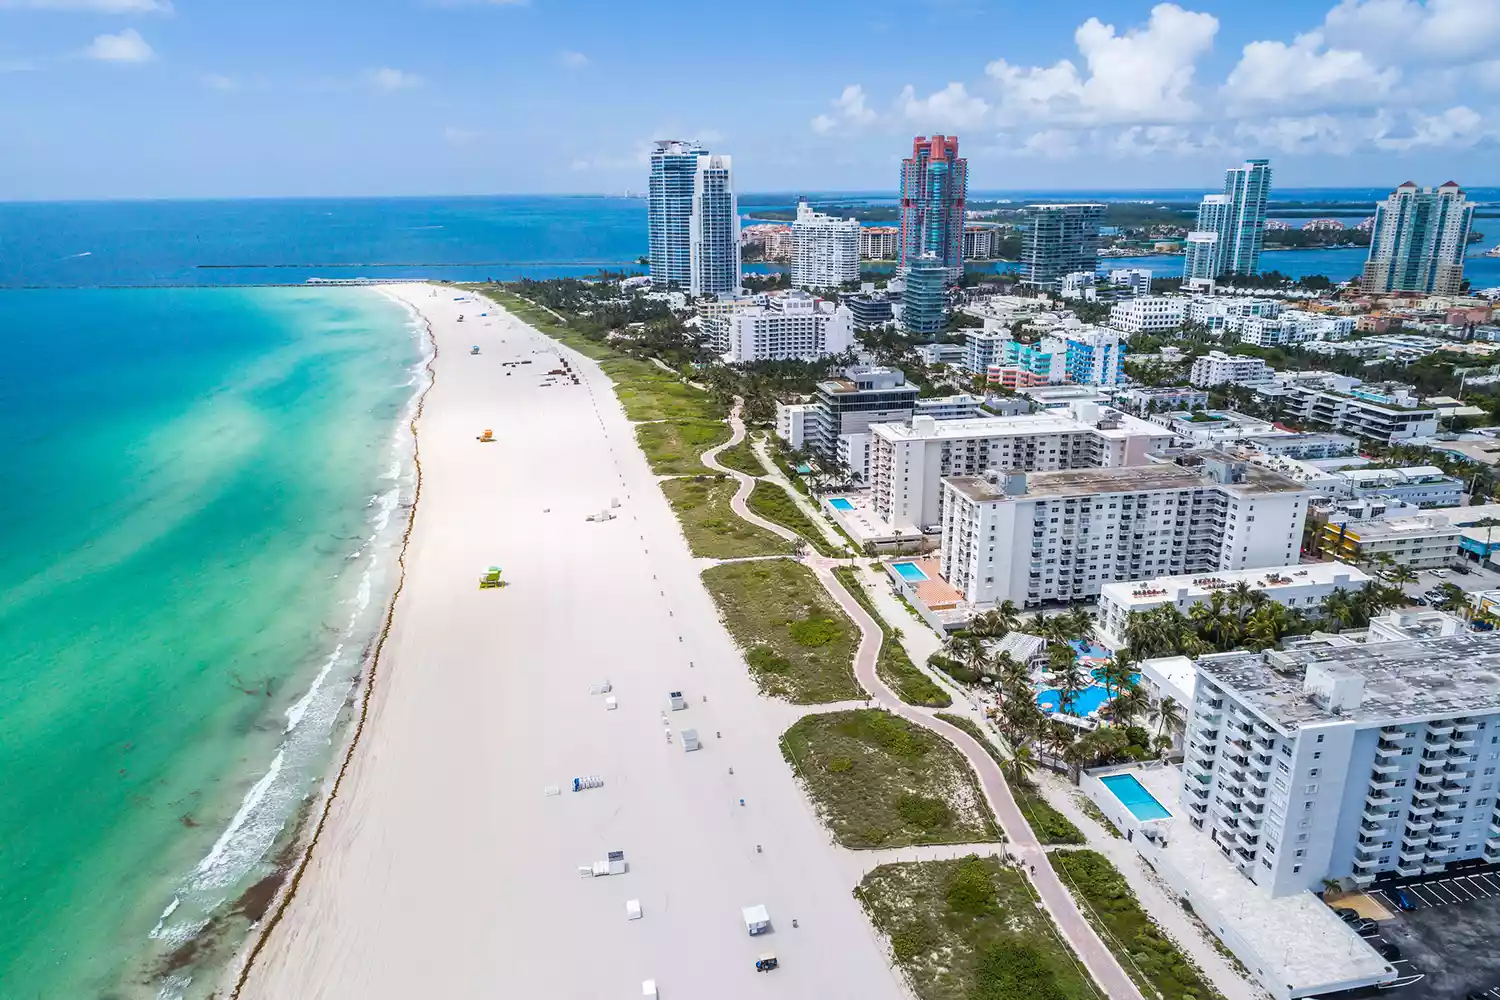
[{"x": 183, "y": 98}]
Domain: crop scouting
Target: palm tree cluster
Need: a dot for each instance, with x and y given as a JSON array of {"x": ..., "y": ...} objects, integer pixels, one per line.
[{"x": 1241, "y": 617}]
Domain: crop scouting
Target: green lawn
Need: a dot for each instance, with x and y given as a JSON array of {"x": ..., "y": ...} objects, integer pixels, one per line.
[
  {"x": 969, "y": 929},
  {"x": 879, "y": 781},
  {"x": 712, "y": 527},
  {"x": 741, "y": 458},
  {"x": 893, "y": 665},
  {"x": 1148, "y": 955},
  {"x": 775, "y": 504},
  {"x": 675, "y": 447},
  {"x": 1049, "y": 825},
  {"x": 799, "y": 644}
]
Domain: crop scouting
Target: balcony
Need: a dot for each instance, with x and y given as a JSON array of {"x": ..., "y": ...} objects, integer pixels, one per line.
[
  {"x": 1375, "y": 815},
  {"x": 1409, "y": 869},
  {"x": 1370, "y": 828},
  {"x": 1440, "y": 729},
  {"x": 1413, "y": 857},
  {"x": 1378, "y": 800},
  {"x": 1387, "y": 750},
  {"x": 1394, "y": 733},
  {"x": 1418, "y": 826},
  {"x": 1465, "y": 726},
  {"x": 1383, "y": 784}
]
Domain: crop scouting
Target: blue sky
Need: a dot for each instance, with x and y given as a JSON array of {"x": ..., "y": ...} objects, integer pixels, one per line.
[{"x": 204, "y": 98}]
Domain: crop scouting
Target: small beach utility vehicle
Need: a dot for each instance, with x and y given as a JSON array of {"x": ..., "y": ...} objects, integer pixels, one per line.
[
  {"x": 474, "y": 349},
  {"x": 491, "y": 578},
  {"x": 487, "y": 437},
  {"x": 766, "y": 962}
]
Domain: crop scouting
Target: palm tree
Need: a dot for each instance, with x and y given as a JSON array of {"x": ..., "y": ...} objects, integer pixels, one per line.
[
  {"x": 1080, "y": 623},
  {"x": 1010, "y": 671},
  {"x": 1241, "y": 596},
  {"x": 1266, "y": 625},
  {"x": 1130, "y": 704},
  {"x": 1166, "y": 714},
  {"x": 1060, "y": 657},
  {"x": 1022, "y": 762},
  {"x": 1402, "y": 573},
  {"x": 1115, "y": 675},
  {"x": 1338, "y": 608},
  {"x": 1071, "y": 682},
  {"x": 1454, "y": 598},
  {"x": 1008, "y": 615}
]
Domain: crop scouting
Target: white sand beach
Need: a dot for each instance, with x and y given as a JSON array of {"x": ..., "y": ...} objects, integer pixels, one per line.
[{"x": 443, "y": 869}]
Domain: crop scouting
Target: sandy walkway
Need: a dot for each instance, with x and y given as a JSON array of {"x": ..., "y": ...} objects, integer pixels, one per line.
[{"x": 444, "y": 871}]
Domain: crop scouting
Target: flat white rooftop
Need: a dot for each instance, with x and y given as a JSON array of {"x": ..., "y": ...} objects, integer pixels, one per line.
[
  {"x": 1190, "y": 588},
  {"x": 1022, "y": 425},
  {"x": 1299, "y": 940}
]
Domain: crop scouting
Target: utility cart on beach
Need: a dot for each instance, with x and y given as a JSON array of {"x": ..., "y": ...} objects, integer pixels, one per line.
[
  {"x": 491, "y": 578},
  {"x": 766, "y": 962}
]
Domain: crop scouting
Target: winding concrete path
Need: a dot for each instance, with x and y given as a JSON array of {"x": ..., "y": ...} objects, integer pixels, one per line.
[{"x": 1022, "y": 844}]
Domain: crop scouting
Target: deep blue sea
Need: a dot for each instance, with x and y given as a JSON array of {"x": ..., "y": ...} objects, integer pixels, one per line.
[{"x": 270, "y": 241}]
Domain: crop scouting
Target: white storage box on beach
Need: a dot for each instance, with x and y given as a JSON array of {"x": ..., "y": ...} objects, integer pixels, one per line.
[
  {"x": 648, "y": 989},
  {"x": 677, "y": 701},
  {"x": 610, "y": 704},
  {"x": 690, "y": 740},
  {"x": 632, "y": 909}
]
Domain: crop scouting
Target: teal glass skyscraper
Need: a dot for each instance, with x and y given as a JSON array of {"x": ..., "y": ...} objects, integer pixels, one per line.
[{"x": 934, "y": 188}]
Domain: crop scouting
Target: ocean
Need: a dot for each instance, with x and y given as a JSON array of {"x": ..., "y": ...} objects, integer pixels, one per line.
[
  {"x": 209, "y": 470},
  {"x": 206, "y": 489}
]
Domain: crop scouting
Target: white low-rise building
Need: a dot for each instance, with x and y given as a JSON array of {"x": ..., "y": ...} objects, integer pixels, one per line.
[
  {"x": 1427, "y": 541},
  {"x": 1211, "y": 428},
  {"x": 1148, "y": 314},
  {"x": 1034, "y": 538},
  {"x": 1304, "y": 447},
  {"x": 1382, "y": 413},
  {"x": 1217, "y": 368},
  {"x": 795, "y": 326},
  {"x": 1422, "y": 485},
  {"x": 1143, "y": 400},
  {"x": 797, "y": 424},
  {"x": 1301, "y": 587},
  {"x": 908, "y": 463}
]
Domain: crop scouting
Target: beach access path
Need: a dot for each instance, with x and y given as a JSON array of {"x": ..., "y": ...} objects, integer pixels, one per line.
[
  {"x": 443, "y": 869},
  {"x": 1022, "y": 843}
]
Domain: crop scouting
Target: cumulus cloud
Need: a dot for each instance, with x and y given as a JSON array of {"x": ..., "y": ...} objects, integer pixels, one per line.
[
  {"x": 388, "y": 80},
  {"x": 1140, "y": 76},
  {"x": 1306, "y": 71},
  {"x": 849, "y": 110},
  {"x": 951, "y": 107},
  {"x": 96, "y": 6},
  {"x": 1455, "y": 128},
  {"x": 1399, "y": 31},
  {"x": 574, "y": 60},
  {"x": 1051, "y": 144},
  {"x": 126, "y": 47}
]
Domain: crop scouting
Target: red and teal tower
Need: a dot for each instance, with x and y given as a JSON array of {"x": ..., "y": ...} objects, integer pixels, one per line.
[{"x": 934, "y": 187}]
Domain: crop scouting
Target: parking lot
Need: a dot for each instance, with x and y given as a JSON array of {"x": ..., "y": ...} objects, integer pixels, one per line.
[
  {"x": 1447, "y": 933},
  {"x": 1475, "y": 579}
]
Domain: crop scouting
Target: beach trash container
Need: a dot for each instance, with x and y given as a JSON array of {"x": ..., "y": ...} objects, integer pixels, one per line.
[
  {"x": 632, "y": 909},
  {"x": 677, "y": 701},
  {"x": 648, "y": 989},
  {"x": 690, "y": 740}
]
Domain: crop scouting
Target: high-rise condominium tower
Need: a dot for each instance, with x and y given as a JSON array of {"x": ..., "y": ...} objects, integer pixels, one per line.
[
  {"x": 1418, "y": 241},
  {"x": 1238, "y": 217},
  {"x": 1060, "y": 240},
  {"x": 825, "y": 249},
  {"x": 693, "y": 219},
  {"x": 934, "y": 186}
]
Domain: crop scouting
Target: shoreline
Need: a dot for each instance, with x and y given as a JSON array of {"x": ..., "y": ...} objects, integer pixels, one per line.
[{"x": 305, "y": 839}]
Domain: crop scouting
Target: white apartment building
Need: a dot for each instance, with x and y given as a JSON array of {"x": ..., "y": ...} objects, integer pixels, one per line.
[
  {"x": 792, "y": 326},
  {"x": 1135, "y": 280},
  {"x": 1148, "y": 314},
  {"x": 1347, "y": 762},
  {"x": 1423, "y": 541},
  {"x": 1201, "y": 256},
  {"x": 797, "y": 423},
  {"x": 1420, "y": 485},
  {"x": 1300, "y": 587},
  {"x": 825, "y": 249},
  {"x": 1384, "y": 414},
  {"x": 1211, "y": 428},
  {"x": 1062, "y": 536},
  {"x": 908, "y": 463},
  {"x": 1146, "y": 399},
  {"x": 879, "y": 242},
  {"x": 1302, "y": 447},
  {"x": 941, "y": 354},
  {"x": 1293, "y": 327},
  {"x": 1218, "y": 368},
  {"x": 716, "y": 316},
  {"x": 1229, "y": 312}
]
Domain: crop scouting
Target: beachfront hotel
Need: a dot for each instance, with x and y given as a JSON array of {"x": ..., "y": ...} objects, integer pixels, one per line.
[
  {"x": 794, "y": 326},
  {"x": 1299, "y": 587},
  {"x": 908, "y": 463},
  {"x": 934, "y": 189},
  {"x": 1348, "y": 762},
  {"x": 693, "y": 221},
  {"x": 1062, "y": 536},
  {"x": 825, "y": 249}
]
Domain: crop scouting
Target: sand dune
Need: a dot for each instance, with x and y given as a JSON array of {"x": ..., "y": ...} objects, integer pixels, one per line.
[{"x": 444, "y": 870}]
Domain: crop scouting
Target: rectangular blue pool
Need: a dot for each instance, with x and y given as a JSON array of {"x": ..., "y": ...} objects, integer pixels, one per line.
[
  {"x": 1133, "y": 795},
  {"x": 839, "y": 503},
  {"x": 910, "y": 572}
]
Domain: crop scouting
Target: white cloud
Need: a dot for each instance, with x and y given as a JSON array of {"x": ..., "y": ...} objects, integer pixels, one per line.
[
  {"x": 1141, "y": 76},
  {"x": 1401, "y": 31},
  {"x": 126, "y": 47},
  {"x": 96, "y": 6},
  {"x": 1488, "y": 74},
  {"x": 1051, "y": 144},
  {"x": 1293, "y": 134},
  {"x": 388, "y": 80},
  {"x": 574, "y": 60},
  {"x": 849, "y": 110},
  {"x": 1306, "y": 72},
  {"x": 218, "y": 81},
  {"x": 951, "y": 107},
  {"x": 1455, "y": 128},
  {"x": 455, "y": 136}
]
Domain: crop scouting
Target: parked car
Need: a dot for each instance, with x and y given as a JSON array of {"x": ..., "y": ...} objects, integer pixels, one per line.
[
  {"x": 1386, "y": 950},
  {"x": 1439, "y": 573},
  {"x": 1363, "y": 926},
  {"x": 1420, "y": 602},
  {"x": 1404, "y": 901},
  {"x": 1347, "y": 914}
]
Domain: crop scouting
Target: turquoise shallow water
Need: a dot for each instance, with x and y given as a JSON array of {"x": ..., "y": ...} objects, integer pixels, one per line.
[{"x": 204, "y": 492}]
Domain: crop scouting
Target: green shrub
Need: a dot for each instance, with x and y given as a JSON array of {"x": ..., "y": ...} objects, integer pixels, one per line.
[
  {"x": 971, "y": 891},
  {"x": 764, "y": 659},
  {"x": 918, "y": 810},
  {"x": 1015, "y": 970},
  {"x": 839, "y": 765},
  {"x": 815, "y": 631}
]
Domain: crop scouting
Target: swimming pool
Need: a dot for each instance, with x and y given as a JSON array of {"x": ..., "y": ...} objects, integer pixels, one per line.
[
  {"x": 1090, "y": 699},
  {"x": 1133, "y": 795},
  {"x": 910, "y": 572},
  {"x": 839, "y": 503}
]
